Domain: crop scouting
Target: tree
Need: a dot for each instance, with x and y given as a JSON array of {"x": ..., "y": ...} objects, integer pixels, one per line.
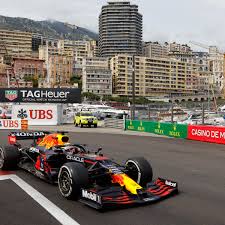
[
  {"x": 107, "y": 98},
  {"x": 142, "y": 101},
  {"x": 90, "y": 96},
  {"x": 76, "y": 79},
  {"x": 34, "y": 80}
]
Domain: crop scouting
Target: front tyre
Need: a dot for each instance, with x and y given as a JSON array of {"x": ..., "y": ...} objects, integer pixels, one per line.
[
  {"x": 140, "y": 170},
  {"x": 9, "y": 157},
  {"x": 72, "y": 177}
]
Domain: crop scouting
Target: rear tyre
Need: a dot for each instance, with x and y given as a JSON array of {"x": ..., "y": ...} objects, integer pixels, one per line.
[
  {"x": 9, "y": 157},
  {"x": 72, "y": 177},
  {"x": 140, "y": 170}
]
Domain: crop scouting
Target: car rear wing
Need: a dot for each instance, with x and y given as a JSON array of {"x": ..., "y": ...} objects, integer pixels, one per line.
[
  {"x": 13, "y": 137},
  {"x": 20, "y": 135}
]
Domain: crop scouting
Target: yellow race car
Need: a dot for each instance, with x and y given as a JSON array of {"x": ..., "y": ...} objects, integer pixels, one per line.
[{"x": 85, "y": 118}]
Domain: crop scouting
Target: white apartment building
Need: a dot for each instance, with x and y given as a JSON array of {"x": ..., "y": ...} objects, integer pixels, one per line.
[
  {"x": 96, "y": 76},
  {"x": 216, "y": 60}
]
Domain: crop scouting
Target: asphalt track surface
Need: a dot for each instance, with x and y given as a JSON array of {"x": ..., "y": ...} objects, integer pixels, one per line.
[{"x": 199, "y": 168}]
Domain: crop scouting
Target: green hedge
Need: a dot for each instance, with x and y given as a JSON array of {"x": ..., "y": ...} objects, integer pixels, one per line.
[{"x": 167, "y": 129}]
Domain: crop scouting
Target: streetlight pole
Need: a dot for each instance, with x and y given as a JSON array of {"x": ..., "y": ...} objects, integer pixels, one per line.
[
  {"x": 172, "y": 116},
  {"x": 133, "y": 89}
]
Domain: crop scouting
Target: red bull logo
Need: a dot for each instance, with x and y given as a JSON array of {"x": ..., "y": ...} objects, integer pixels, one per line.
[
  {"x": 124, "y": 180},
  {"x": 52, "y": 140}
]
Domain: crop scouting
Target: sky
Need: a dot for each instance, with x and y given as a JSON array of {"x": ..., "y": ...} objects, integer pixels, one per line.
[{"x": 163, "y": 20}]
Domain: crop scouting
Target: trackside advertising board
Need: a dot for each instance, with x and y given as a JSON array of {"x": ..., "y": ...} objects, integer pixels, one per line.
[
  {"x": 207, "y": 134},
  {"x": 167, "y": 129},
  {"x": 40, "y": 95},
  {"x": 8, "y": 124},
  {"x": 36, "y": 114}
]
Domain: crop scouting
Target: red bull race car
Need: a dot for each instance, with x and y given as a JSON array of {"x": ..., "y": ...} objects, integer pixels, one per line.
[{"x": 84, "y": 175}]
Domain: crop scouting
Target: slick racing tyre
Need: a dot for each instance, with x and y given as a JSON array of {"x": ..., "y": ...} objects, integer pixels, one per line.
[
  {"x": 72, "y": 177},
  {"x": 9, "y": 157},
  {"x": 140, "y": 170}
]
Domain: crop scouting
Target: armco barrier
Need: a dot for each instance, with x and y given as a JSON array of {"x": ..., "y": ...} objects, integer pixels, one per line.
[
  {"x": 167, "y": 129},
  {"x": 207, "y": 134},
  {"x": 113, "y": 123}
]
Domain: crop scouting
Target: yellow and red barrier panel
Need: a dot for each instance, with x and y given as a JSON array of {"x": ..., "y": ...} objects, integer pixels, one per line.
[
  {"x": 24, "y": 124},
  {"x": 11, "y": 124},
  {"x": 207, "y": 134},
  {"x": 203, "y": 133}
]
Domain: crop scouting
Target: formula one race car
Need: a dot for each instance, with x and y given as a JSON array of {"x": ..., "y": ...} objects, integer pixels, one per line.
[{"x": 85, "y": 175}]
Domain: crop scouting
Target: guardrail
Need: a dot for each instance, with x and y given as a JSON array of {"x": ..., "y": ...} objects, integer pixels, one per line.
[
  {"x": 192, "y": 132},
  {"x": 114, "y": 123},
  {"x": 166, "y": 129},
  {"x": 207, "y": 134}
]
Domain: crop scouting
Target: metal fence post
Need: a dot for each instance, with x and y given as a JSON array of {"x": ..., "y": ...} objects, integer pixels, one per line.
[
  {"x": 203, "y": 113},
  {"x": 124, "y": 121},
  {"x": 172, "y": 112},
  {"x": 133, "y": 89},
  {"x": 149, "y": 114}
]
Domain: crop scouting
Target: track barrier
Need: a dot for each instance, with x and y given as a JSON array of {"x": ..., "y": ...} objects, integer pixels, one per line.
[
  {"x": 203, "y": 133},
  {"x": 166, "y": 129},
  {"x": 207, "y": 134}
]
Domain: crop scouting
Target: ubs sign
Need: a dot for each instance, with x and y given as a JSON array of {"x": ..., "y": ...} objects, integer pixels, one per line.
[
  {"x": 36, "y": 114},
  {"x": 41, "y": 95}
]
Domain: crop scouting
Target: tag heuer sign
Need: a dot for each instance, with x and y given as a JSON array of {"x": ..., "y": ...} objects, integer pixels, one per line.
[
  {"x": 11, "y": 94},
  {"x": 41, "y": 95}
]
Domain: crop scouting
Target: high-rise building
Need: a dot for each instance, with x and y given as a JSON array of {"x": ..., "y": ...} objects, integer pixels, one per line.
[
  {"x": 216, "y": 64},
  {"x": 39, "y": 39},
  {"x": 181, "y": 52},
  {"x": 58, "y": 65},
  {"x": 120, "y": 29},
  {"x": 78, "y": 50},
  {"x": 97, "y": 76},
  {"x": 156, "y": 76},
  {"x": 155, "y": 50},
  {"x": 16, "y": 43}
]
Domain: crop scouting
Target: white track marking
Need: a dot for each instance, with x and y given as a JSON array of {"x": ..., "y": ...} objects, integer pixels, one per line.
[
  {"x": 52, "y": 209},
  {"x": 5, "y": 177}
]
